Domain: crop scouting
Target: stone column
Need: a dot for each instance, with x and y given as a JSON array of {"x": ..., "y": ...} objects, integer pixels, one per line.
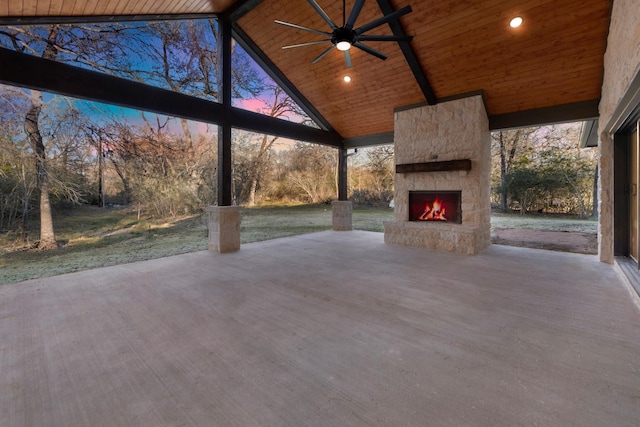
[
  {"x": 224, "y": 228},
  {"x": 341, "y": 213},
  {"x": 453, "y": 130},
  {"x": 605, "y": 198}
]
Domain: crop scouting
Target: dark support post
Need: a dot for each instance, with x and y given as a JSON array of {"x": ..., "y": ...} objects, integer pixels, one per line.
[
  {"x": 224, "y": 128},
  {"x": 224, "y": 219},
  {"x": 342, "y": 173},
  {"x": 342, "y": 208}
]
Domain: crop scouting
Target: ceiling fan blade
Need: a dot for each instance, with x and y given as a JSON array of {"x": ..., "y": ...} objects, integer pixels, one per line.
[
  {"x": 322, "y": 55},
  {"x": 370, "y": 51},
  {"x": 347, "y": 58},
  {"x": 390, "y": 17},
  {"x": 298, "y": 27},
  {"x": 323, "y": 14},
  {"x": 385, "y": 38},
  {"x": 353, "y": 16},
  {"x": 293, "y": 46}
]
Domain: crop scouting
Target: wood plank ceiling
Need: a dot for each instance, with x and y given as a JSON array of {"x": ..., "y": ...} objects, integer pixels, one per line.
[{"x": 555, "y": 58}]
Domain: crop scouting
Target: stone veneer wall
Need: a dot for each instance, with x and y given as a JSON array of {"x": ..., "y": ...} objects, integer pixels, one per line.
[
  {"x": 621, "y": 65},
  {"x": 451, "y": 130}
]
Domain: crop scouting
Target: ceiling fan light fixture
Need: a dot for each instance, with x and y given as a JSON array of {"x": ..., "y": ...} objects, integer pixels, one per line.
[
  {"x": 343, "y": 45},
  {"x": 347, "y": 35},
  {"x": 347, "y": 79}
]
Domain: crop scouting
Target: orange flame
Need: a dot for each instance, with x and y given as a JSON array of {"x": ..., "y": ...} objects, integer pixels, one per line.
[{"x": 433, "y": 213}]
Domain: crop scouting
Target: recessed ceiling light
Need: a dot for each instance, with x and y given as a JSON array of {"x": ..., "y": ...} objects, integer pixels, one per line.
[
  {"x": 515, "y": 22},
  {"x": 347, "y": 79}
]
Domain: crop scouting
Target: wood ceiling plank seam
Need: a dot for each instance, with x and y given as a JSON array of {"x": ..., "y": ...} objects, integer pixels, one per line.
[
  {"x": 151, "y": 7},
  {"x": 77, "y": 8},
  {"x": 29, "y": 7},
  {"x": 133, "y": 7},
  {"x": 100, "y": 8},
  {"x": 166, "y": 7},
  {"x": 144, "y": 6},
  {"x": 139, "y": 7},
  {"x": 176, "y": 6},
  {"x": 205, "y": 6},
  {"x": 113, "y": 8},
  {"x": 63, "y": 8},
  {"x": 42, "y": 7},
  {"x": 90, "y": 7}
]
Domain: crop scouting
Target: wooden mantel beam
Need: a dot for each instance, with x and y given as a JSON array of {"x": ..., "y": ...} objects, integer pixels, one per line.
[{"x": 443, "y": 166}]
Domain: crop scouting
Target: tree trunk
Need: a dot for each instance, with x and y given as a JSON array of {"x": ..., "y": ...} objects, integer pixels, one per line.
[
  {"x": 125, "y": 182},
  {"x": 24, "y": 223},
  {"x": 100, "y": 173},
  {"x": 187, "y": 134},
  {"x": 265, "y": 146},
  {"x": 47, "y": 235},
  {"x": 255, "y": 176}
]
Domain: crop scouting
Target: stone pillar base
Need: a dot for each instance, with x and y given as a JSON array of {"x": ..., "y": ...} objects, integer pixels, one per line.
[
  {"x": 341, "y": 211},
  {"x": 224, "y": 228}
]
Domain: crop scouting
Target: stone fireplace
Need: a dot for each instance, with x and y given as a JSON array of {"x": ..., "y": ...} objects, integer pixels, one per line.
[{"x": 443, "y": 158}]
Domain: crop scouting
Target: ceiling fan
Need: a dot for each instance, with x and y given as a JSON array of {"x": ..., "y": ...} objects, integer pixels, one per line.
[{"x": 342, "y": 38}]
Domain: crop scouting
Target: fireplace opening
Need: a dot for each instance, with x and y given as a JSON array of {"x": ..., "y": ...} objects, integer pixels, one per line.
[{"x": 437, "y": 206}]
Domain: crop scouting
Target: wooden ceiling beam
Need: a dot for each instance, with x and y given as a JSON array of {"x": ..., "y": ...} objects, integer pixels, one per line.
[
  {"x": 409, "y": 54},
  {"x": 573, "y": 112},
  {"x": 241, "y": 8},
  {"x": 20, "y": 69}
]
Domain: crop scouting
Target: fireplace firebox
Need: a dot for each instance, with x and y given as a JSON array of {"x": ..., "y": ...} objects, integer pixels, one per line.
[{"x": 436, "y": 206}]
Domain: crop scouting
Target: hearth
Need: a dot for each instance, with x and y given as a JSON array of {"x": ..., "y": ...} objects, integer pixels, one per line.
[{"x": 435, "y": 206}]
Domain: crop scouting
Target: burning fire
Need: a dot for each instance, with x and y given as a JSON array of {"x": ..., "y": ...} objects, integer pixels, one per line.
[{"x": 433, "y": 213}]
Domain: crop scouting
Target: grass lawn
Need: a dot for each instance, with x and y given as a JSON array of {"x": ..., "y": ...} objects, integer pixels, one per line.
[{"x": 94, "y": 237}]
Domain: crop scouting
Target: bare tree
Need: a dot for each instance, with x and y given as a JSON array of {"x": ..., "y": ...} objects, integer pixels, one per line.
[
  {"x": 280, "y": 106},
  {"x": 510, "y": 146},
  {"x": 81, "y": 44},
  {"x": 312, "y": 172}
]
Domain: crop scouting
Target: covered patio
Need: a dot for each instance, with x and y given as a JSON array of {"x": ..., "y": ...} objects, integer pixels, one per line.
[
  {"x": 331, "y": 328},
  {"x": 339, "y": 328}
]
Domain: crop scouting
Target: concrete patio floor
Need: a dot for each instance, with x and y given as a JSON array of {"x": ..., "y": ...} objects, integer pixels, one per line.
[{"x": 324, "y": 329}]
